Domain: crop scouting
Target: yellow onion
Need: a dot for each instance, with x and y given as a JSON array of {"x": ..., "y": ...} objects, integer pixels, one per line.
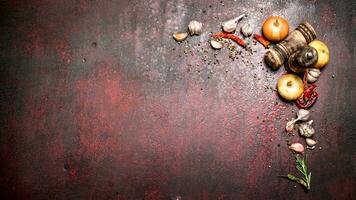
[{"x": 275, "y": 28}]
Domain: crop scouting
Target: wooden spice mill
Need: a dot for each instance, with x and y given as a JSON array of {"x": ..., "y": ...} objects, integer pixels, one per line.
[{"x": 296, "y": 40}]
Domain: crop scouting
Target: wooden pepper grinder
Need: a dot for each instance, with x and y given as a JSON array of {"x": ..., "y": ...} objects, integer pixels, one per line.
[
  {"x": 298, "y": 38},
  {"x": 302, "y": 59}
]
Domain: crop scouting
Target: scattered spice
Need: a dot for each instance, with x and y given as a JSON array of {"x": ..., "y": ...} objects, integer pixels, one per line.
[
  {"x": 232, "y": 37},
  {"x": 262, "y": 40}
]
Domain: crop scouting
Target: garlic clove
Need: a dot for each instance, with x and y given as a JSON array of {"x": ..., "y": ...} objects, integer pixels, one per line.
[
  {"x": 314, "y": 72},
  {"x": 231, "y": 25},
  {"x": 313, "y": 75},
  {"x": 215, "y": 44},
  {"x": 195, "y": 27},
  {"x": 303, "y": 115},
  {"x": 297, "y": 147},
  {"x": 180, "y": 36},
  {"x": 310, "y": 142},
  {"x": 246, "y": 30},
  {"x": 290, "y": 126},
  {"x": 311, "y": 148},
  {"x": 311, "y": 79},
  {"x": 237, "y": 19}
]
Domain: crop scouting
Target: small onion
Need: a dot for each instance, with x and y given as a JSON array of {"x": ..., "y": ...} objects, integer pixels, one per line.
[{"x": 275, "y": 28}]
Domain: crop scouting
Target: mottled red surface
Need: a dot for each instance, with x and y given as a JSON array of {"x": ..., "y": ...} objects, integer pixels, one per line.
[{"x": 99, "y": 102}]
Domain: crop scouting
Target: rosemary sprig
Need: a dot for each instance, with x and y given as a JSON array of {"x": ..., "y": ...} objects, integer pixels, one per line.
[{"x": 303, "y": 169}]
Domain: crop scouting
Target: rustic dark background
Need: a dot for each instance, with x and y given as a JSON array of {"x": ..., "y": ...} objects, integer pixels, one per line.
[{"x": 99, "y": 102}]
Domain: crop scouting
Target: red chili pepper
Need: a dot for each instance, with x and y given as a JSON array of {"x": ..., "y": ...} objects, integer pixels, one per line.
[
  {"x": 309, "y": 91},
  {"x": 308, "y": 98},
  {"x": 262, "y": 40},
  {"x": 230, "y": 36}
]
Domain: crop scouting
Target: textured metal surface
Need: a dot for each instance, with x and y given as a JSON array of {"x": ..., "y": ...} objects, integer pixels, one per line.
[{"x": 99, "y": 102}]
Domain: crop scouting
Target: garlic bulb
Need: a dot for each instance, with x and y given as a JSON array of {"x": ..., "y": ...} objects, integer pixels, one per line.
[
  {"x": 231, "y": 25},
  {"x": 179, "y": 36},
  {"x": 302, "y": 115},
  {"x": 215, "y": 44},
  {"x": 313, "y": 75},
  {"x": 195, "y": 27},
  {"x": 306, "y": 129},
  {"x": 297, "y": 147},
  {"x": 246, "y": 30},
  {"x": 310, "y": 142}
]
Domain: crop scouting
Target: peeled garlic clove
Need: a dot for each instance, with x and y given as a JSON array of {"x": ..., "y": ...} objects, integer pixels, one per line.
[
  {"x": 303, "y": 115},
  {"x": 297, "y": 147},
  {"x": 246, "y": 30},
  {"x": 231, "y": 25},
  {"x": 215, "y": 44},
  {"x": 195, "y": 27},
  {"x": 310, "y": 142},
  {"x": 180, "y": 36}
]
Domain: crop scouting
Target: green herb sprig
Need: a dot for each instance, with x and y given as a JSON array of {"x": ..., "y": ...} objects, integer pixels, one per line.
[{"x": 303, "y": 169}]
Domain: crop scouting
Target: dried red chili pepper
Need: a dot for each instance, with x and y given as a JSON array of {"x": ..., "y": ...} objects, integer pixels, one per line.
[
  {"x": 262, "y": 40},
  {"x": 230, "y": 36},
  {"x": 308, "y": 98}
]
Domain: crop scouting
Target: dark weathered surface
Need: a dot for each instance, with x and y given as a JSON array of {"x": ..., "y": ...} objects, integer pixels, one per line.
[{"x": 99, "y": 102}]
